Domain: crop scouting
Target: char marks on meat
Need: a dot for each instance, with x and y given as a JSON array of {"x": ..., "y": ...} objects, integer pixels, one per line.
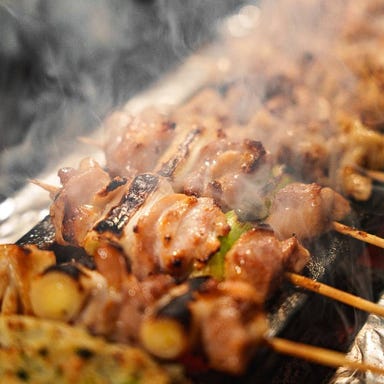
[
  {"x": 156, "y": 214},
  {"x": 155, "y": 229},
  {"x": 80, "y": 201},
  {"x": 139, "y": 189},
  {"x": 200, "y": 160},
  {"x": 18, "y": 267},
  {"x": 231, "y": 173},
  {"x": 179, "y": 231}
]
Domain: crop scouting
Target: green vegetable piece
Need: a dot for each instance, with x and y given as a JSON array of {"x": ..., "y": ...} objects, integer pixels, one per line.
[{"x": 215, "y": 265}]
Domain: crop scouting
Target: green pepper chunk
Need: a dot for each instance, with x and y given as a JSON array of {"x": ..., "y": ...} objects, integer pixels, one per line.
[{"x": 215, "y": 266}]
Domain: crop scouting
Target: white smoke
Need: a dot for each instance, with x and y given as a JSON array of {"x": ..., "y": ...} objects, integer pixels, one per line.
[{"x": 65, "y": 64}]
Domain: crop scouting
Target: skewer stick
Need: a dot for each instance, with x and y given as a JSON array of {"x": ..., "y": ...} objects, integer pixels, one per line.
[
  {"x": 358, "y": 234},
  {"x": 318, "y": 355},
  {"x": 374, "y": 175},
  {"x": 336, "y": 294},
  {"x": 91, "y": 141},
  {"x": 48, "y": 187}
]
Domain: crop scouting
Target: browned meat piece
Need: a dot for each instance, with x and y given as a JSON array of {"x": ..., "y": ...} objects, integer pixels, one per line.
[
  {"x": 177, "y": 232},
  {"x": 204, "y": 162},
  {"x": 117, "y": 314},
  {"x": 231, "y": 324},
  {"x": 196, "y": 159},
  {"x": 137, "y": 297},
  {"x": 155, "y": 229},
  {"x": 86, "y": 192},
  {"x": 233, "y": 173},
  {"x": 305, "y": 210},
  {"x": 180, "y": 157},
  {"x": 260, "y": 259},
  {"x": 118, "y": 225},
  {"x": 134, "y": 144},
  {"x": 221, "y": 320}
]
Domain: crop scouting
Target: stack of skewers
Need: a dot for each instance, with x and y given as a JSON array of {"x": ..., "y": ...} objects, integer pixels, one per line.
[{"x": 200, "y": 216}]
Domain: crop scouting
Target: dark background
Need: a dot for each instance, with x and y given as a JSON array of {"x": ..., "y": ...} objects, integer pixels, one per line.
[{"x": 65, "y": 64}]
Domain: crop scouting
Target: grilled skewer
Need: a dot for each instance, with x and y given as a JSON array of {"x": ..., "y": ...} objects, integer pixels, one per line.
[
  {"x": 108, "y": 302},
  {"x": 205, "y": 306},
  {"x": 359, "y": 234},
  {"x": 311, "y": 202},
  {"x": 336, "y": 294}
]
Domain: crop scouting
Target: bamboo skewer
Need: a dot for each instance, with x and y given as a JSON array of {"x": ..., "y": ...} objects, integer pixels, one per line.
[
  {"x": 358, "y": 234},
  {"x": 374, "y": 175},
  {"x": 334, "y": 293},
  {"x": 91, "y": 141},
  {"x": 318, "y": 355},
  {"x": 48, "y": 187}
]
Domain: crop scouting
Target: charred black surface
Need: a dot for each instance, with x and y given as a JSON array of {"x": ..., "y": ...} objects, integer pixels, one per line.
[
  {"x": 294, "y": 313},
  {"x": 43, "y": 234},
  {"x": 168, "y": 168},
  {"x": 116, "y": 183},
  {"x": 178, "y": 307},
  {"x": 69, "y": 269},
  {"x": 258, "y": 151},
  {"x": 141, "y": 187},
  {"x": 66, "y": 254}
]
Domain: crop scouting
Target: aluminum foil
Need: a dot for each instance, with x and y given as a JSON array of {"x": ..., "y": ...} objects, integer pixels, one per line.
[{"x": 368, "y": 347}]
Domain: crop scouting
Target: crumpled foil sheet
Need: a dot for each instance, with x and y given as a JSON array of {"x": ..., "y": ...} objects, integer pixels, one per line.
[{"x": 368, "y": 347}]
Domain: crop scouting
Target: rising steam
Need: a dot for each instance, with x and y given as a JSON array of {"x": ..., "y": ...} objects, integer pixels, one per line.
[{"x": 64, "y": 65}]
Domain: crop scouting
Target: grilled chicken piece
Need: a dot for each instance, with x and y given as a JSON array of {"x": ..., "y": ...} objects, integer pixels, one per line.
[
  {"x": 197, "y": 160},
  {"x": 235, "y": 174},
  {"x": 222, "y": 320},
  {"x": 117, "y": 313},
  {"x": 179, "y": 160},
  {"x": 203, "y": 162},
  {"x": 363, "y": 147},
  {"x": 85, "y": 194},
  {"x": 260, "y": 259},
  {"x": 119, "y": 225},
  {"x": 137, "y": 297},
  {"x": 306, "y": 210},
  {"x": 179, "y": 232},
  {"x": 158, "y": 230},
  {"x": 231, "y": 324},
  {"x": 134, "y": 144},
  {"x": 155, "y": 229}
]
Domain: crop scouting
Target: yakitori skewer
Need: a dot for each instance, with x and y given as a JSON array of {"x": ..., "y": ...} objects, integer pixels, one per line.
[
  {"x": 334, "y": 293},
  {"x": 258, "y": 237},
  {"x": 47, "y": 187},
  {"x": 338, "y": 227},
  {"x": 318, "y": 355},
  {"x": 358, "y": 234},
  {"x": 167, "y": 326},
  {"x": 373, "y": 174}
]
